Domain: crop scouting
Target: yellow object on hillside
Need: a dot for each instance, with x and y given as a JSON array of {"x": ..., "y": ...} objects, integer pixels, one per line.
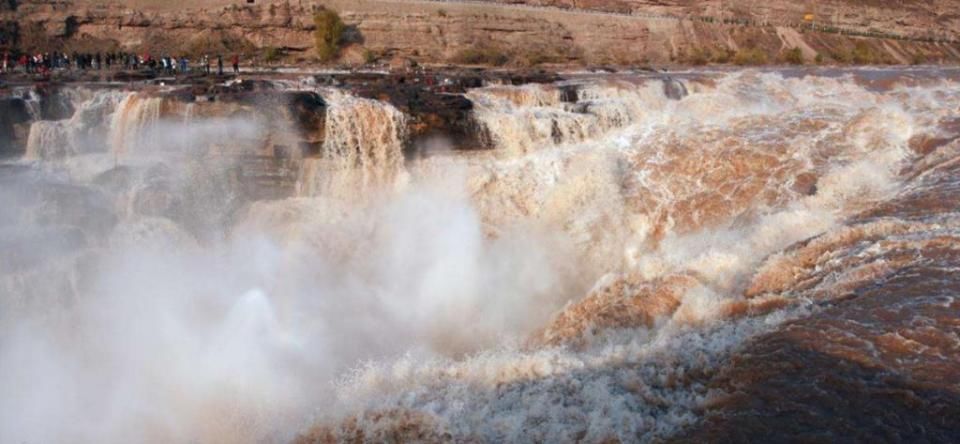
[{"x": 808, "y": 17}]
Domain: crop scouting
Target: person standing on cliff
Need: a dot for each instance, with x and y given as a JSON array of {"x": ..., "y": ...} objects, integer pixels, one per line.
[
  {"x": 236, "y": 64},
  {"x": 219, "y": 65}
]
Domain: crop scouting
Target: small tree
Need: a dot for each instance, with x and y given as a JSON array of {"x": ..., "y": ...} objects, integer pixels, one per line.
[
  {"x": 864, "y": 54},
  {"x": 794, "y": 56},
  {"x": 272, "y": 54},
  {"x": 752, "y": 56},
  {"x": 329, "y": 32},
  {"x": 370, "y": 56},
  {"x": 698, "y": 57},
  {"x": 481, "y": 55}
]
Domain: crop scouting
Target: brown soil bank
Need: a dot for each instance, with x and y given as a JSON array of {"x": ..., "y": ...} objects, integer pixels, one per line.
[{"x": 681, "y": 32}]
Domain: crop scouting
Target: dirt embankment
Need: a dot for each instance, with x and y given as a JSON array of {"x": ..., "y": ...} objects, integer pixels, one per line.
[{"x": 680, "y": 32}]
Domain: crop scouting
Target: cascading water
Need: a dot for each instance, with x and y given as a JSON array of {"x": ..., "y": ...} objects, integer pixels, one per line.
[
  {"x": 521, "y": 119},
  {"x": 82, "y": 133},
  {"x": 742, "y": 168},
  {"x": 363, "y": 148},
  {"x": 131, "y": 120},
  {"x": 48, "y": 140},
  {"x": 620, "y": 268}
]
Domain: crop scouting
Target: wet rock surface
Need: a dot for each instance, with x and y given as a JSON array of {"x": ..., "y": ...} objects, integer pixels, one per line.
[
  {"x": 433, "y": 100},
  {"x": 13, "y": 114}
]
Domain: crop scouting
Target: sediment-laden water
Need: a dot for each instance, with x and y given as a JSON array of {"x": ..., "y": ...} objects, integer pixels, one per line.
[{"x": 712, "y": 257}]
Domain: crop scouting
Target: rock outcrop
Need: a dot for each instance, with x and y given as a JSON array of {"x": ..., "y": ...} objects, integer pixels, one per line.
[{"x": 518, "y": 32}]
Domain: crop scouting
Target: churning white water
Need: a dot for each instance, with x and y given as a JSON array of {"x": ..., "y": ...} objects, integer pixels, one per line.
[{"x": 579, "y": 282}]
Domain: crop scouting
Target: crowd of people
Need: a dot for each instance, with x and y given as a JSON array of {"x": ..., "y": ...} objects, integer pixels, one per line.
[{"x": 43, "y": 63}]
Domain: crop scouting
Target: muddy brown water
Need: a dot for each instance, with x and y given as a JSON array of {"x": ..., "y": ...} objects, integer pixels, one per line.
[{"x": 760, "y": 255}]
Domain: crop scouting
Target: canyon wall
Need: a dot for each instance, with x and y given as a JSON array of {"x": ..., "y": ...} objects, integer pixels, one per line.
[{"x": 526, "y": 34}]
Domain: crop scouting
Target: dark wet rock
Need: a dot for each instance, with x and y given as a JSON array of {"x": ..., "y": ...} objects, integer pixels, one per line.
[
  {"x": 156, "y": 195},
  {"x": 432, "y": 113},
  {"x": 186, "y": 95},
  {"x": 674, "y": 89},
  {"x": 202, "y": 198},
  {"x": 156, "y": 199},
  {"x": 805, "y": 184},
  {"x": 212, "y": 196},
  {"x": 82, "y": 207},
  {"x": 602, "y": 68},
  {"x": 29, "y": 197},
  {"x": 9, "y": 29},
  {"x": 19, "y": 185},
  {"x": 308, "y": 110},
  {"x": 133, "y": 76},
  {"x": 13, "y": 113},
  {"x": 24, "y": 249},
  {"x": 54, "y": 105},
  {"x": 115, "y": 180},
  {"x": 434, "y": 101},
  {"x": 924, "y": 144},
  {"x": 580, "y": 108},
  {"x": 569, "y": 93},
  {"x": 525, "y": 77}
]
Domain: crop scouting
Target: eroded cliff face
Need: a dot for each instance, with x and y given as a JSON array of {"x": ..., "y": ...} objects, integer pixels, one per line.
[
  {"x": 195, "y": 28},
  {"x": 909, "y": 18},
  {"x": 519, "y": 33}
]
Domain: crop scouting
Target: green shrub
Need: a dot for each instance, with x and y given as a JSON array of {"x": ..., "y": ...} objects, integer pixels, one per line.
[
  {"x": 328, "y": 33},
  {"x": 214, "y": 42},
  {"x": 753, "y": 56},
  {"x": 794, "y": 56},
  {"x": 698, "y": 57},
  {"x": 370, "y": 56},
  {"x": 272, "y": 54},
  {"x": 533, "y": 59},
  {"x": 918, "y": 59},
  {"x": 481, "y": 56},
  {"x": 723, "y": 56},
  {"x": 818, "y": 59},
  {"x": 442, "y": 12},
  {"x": 841, "y": 57},
  {"x": 863, "y": 54},
  {"x": 703, "y": 56}
]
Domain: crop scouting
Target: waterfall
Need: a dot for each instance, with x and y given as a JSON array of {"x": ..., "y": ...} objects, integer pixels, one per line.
[
  {"x": 635, "y": 255},
  {"x": 48, "y": 141},
  {"x": 362, "y": 149},
  {"x": 189, "y": 112},
  {"x": 82, "y": 133},
  {"x": 527, "y": 118},
  {"x": 131, "y": 122}
]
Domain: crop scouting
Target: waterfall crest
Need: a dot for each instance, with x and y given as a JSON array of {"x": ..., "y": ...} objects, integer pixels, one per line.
[{"x": 362, "y": 149}]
